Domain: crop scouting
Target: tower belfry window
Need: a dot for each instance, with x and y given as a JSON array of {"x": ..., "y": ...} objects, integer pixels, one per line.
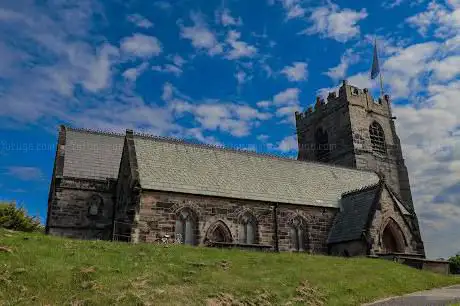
[
  {"x": 377, "y": 138},
  {"x": 321, "y": 145}
]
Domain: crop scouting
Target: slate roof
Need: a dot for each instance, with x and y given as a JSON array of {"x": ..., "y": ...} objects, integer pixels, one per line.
[
  {"x": 351, "y": 221},
  {"x": 92, "y": 155},
  {"x": 189, "y": 168}
]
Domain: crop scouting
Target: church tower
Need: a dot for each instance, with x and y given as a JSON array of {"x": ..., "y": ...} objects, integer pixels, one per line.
[{"x": 355, "y": 130}]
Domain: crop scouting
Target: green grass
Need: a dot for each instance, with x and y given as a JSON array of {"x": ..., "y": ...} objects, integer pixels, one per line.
[{"x": 44, "y": 270}]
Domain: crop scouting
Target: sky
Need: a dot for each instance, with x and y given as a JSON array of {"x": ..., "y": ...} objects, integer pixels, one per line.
[{"x": 229, "y": 73}]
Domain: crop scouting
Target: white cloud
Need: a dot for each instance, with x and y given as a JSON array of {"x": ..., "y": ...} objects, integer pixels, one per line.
[
  {"x": 394, "y": 3},
  {"x": 405, "y": 68},
  {"x": 296, "y": 72},
  {"x": 174, "y": 68},
  {"x": 288, "y": 144},
  {"x": 264, "y": 104},
  {"x": 215, "y": 115},
  {"x": 178, "y": 60},
  {"x": 340, "y": 71},
  {"x": 133, "y": 73},
  {"x": 286, "y": 103},
  {"x": 293, "y": 9},
  {"x": 168, "y": 91},
  {"x": 443, "y": 19},
  {"x": 262, "y": 137},
  {"x": 25, "y": 173},
  {"x": 334, "y": 23},
  {"x": 99, "y": 74},
  {"x": 57, "y": 59},
  {"x": 168, "y": 68},
  {"x": 226, "y": 19},
  {"x": 446, "y": 69},
  {"x": 361, "y": 80},
  {"x": 391, "y": 4},
  {"x": 289, "y": 96},
  {"x": 242, "y": 77},
  {"x": 232, "y": 118},
  {"x": 239, "y": 48},
  {"x": 197, "y": 134},
  {"x": 141, "y": 45},
  {"x": 140, "y": 21},
  {"x": 200, "y": 35}
]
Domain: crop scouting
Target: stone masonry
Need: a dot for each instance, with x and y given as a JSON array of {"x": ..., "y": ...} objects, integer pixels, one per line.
[
  {"x": 346, "y": 118},
  {"x": 158, "y": 212}
]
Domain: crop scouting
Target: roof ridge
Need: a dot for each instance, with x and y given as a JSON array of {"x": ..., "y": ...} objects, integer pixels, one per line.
[
  {"x": 92, "y": 131},
  {"x": 211, "y": 146},
  {"x": 241, "y": 151},
  {"x": 362, "y": 189}
]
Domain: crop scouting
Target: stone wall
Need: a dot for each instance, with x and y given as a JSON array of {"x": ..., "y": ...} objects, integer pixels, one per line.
[
  {"x": 158, "y": 212},
  {"x": 127, "y": 190},
  {"x": 388, "y": 212},
  {"x": 332, "y": 118},
  {"x": 71, "y": 214}
]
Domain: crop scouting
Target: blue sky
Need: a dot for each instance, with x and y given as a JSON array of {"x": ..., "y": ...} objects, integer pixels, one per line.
[{"x": 230, "y": 73}]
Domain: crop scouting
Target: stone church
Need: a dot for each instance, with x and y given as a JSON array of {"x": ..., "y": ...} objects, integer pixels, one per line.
[{"x": 346, "y": 194}]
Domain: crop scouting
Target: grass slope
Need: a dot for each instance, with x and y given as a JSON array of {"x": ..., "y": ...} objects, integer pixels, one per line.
[{"x": 41, "y": 270}]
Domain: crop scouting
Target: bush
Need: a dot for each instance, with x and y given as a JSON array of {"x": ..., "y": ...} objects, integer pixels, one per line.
[
  {"x": 16, "y": 218},
  {"x": 454, "y": 264}
]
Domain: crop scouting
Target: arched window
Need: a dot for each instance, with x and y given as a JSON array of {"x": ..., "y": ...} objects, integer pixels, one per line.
[
  {"x": 392, "y": 238},
  {"x": 321, "y": 145},
  {"x": 218, "y": 232},
  {"x": 95, "y": 206},
  {"x": 298, "y": 235},
  {"x": 377, "y": 138},
  {"x": 248, "y": 229},
  {"x": 186, "y": 227}
]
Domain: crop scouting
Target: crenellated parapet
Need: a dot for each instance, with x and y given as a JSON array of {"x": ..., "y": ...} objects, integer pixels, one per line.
[{"x": 347, "y": 95}]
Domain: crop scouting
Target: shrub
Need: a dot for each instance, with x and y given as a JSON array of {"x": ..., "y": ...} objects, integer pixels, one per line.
[
  {"x": 16, "y": 218},
  {"x": 454, "y": 264}
]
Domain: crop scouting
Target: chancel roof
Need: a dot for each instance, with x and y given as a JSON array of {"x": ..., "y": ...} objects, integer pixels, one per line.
[
  {"x": 189, "y": 168},
  {"x": 92, "y": 155}
]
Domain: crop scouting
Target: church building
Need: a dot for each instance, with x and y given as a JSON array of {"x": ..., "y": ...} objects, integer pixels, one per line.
[{"x": 347, "y": 193}]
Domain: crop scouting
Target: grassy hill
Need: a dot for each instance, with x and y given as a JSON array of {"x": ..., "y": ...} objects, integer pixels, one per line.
[{"x": 41, "y": 270}]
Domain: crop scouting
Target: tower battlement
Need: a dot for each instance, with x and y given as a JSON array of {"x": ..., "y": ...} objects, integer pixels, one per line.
[{"x": 347, "y": 95}]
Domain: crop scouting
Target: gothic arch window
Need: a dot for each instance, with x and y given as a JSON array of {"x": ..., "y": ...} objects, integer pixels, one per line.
[
  {"x": 393, "y": 240},
  {"x": 218, "y": 232},
  {"x": 248, "y": 229},
  {"x": 186, "y": 227},
  {"x": 321, "y": 145},
  {"x": 377, "y": 138},
  {"x": 298, "y": 234},
  {"x": 95, "y": 206}
]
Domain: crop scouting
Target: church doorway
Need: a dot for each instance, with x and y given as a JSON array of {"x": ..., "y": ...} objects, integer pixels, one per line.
[
  {"x": 218, "y": 232},
  {"x": 392, "y": 238}
]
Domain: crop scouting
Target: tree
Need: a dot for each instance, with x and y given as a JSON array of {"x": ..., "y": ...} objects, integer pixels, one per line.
[
  {"x": 454, "y": 264},
  {"x": 16, "y": 218}
]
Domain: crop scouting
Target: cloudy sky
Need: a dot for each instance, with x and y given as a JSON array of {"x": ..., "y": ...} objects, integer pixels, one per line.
[{"x": 228, "y": 72}]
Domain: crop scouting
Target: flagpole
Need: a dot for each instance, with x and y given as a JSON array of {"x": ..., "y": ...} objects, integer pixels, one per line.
[{"x": 382, "y": 92}]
